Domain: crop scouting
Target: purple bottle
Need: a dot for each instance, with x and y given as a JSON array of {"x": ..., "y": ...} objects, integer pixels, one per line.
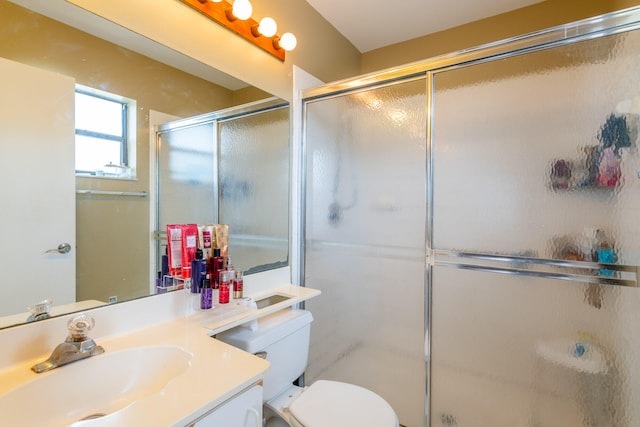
[{"x": 206, "y": 295}]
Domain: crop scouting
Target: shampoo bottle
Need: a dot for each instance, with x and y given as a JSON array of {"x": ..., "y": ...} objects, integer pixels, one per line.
[{"x": 198, "y": 271}]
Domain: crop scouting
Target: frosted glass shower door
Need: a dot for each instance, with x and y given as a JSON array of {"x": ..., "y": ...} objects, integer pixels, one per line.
[
  {"x": 365, "y": 210},
  {"x": 187, "y": 181},
  {"x": 187, "y": 176},
  {"x": 254, "y": 179},
  {"x": 535, "y": 236}
]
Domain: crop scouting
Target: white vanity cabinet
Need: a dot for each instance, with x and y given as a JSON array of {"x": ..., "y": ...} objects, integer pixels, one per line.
[{"x": 242, "y": 410}]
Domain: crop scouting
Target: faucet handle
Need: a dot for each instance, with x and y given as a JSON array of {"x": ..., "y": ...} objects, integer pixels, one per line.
[
  {"x": 79, "y": 326},
  {"x": 39, "y": 310}
]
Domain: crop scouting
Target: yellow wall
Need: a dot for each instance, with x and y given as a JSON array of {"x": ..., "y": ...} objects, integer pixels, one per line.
[
  {"x": 521, "y": 21},
  {"x": 321, "y": 50}
]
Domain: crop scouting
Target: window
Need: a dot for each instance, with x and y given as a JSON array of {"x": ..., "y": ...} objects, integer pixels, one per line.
[{"x": 102, "y": 139}]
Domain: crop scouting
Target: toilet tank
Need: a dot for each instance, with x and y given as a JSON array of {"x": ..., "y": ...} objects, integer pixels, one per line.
[{"x": 284, "y": 336}]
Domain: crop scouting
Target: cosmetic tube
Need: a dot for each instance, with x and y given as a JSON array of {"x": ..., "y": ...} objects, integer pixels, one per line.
[{"x": 174, "y": 239}]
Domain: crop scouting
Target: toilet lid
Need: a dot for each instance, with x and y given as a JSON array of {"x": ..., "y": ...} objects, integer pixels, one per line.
[{"x": 337, "y": 404}]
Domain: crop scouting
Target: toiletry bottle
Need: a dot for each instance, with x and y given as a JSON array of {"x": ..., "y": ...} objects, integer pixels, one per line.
[
  {"x": 165, "y": 263},
  {"x": 186, "y": 277},
  {"x": 231, "y": 273},
  {"x": 198, "y": 271},
  {"x": 222, "y": 261},
  {"x": 238, "y": 289},
  {"x": 174, "y": 247},
  {"x": 206, "y": 300},
  {"x": 223, "y": 291},
  {"x": 214, "y": 287},
  {"x": 216, "y": 264}
]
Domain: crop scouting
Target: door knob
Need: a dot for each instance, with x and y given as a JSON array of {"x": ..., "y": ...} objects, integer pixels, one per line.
[{"x": 63, "y": 248}]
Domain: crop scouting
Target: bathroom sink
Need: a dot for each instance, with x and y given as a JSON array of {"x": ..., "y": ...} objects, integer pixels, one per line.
[
  {"x": 271, "y": 300},
  {"x": 93, "y": 388}
]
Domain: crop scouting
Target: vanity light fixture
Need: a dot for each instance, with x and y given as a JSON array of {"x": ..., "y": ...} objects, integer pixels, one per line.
[
  {"x": 267, "y": 27},
  {"x": 237, "y": 18},
  {"x": 242, "y": 9}
]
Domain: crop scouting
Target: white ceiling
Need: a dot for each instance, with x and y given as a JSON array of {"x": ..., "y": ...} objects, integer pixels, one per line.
[{"x": 371, "y": 24}]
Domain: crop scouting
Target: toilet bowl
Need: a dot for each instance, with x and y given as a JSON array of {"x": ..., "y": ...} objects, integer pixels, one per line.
[{"x": 284, "y": 337}]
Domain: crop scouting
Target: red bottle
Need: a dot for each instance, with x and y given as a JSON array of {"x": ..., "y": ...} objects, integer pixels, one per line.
[
  {"x": 239, "y": 285},
  {"x": 216, "y": 264},
  {"x": 223, "y": 291}
]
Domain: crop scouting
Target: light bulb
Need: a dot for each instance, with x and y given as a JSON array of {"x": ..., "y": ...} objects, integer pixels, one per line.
[
  {"x": 267, "y": 27},
  {"x": 242, "y": 9},
  {"x": 216, "y": 1},
  {"x": 288, "y": 41}
]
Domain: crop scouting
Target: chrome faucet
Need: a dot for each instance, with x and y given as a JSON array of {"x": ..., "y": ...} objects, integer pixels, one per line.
[{"x": 77, "y": 346}]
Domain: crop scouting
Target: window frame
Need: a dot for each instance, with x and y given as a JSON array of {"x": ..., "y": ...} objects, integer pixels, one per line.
[{"x": 128, "y": 108}]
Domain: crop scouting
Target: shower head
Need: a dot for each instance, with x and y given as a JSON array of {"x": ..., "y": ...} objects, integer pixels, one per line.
[{"x": 335, "y": 214}]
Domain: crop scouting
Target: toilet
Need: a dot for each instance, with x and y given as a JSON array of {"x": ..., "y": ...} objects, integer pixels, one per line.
[{"x": 284, "y": 337}]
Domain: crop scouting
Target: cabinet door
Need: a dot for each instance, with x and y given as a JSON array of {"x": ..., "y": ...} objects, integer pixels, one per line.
[{"x": 243, "y": 410}]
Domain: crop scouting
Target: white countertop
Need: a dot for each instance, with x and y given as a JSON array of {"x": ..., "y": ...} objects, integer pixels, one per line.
[
  {"x": 227, "y": 316},
  {"x": 217, "y": 371}
]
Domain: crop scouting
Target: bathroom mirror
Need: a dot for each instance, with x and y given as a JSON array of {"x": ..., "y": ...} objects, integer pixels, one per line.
[{"x": 114, "y": 230}]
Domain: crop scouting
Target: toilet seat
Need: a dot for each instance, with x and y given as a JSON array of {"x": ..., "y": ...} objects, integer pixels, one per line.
[{"x": 338, "y": 404}]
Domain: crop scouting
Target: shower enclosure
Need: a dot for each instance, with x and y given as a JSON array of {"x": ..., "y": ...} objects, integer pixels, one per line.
[
  {"x": 472, "y": 222},
  {"x": 365, "y": 163}
]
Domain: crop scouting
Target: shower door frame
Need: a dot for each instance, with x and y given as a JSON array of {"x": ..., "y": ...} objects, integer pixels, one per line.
[{"x": 596, "y": 27}]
